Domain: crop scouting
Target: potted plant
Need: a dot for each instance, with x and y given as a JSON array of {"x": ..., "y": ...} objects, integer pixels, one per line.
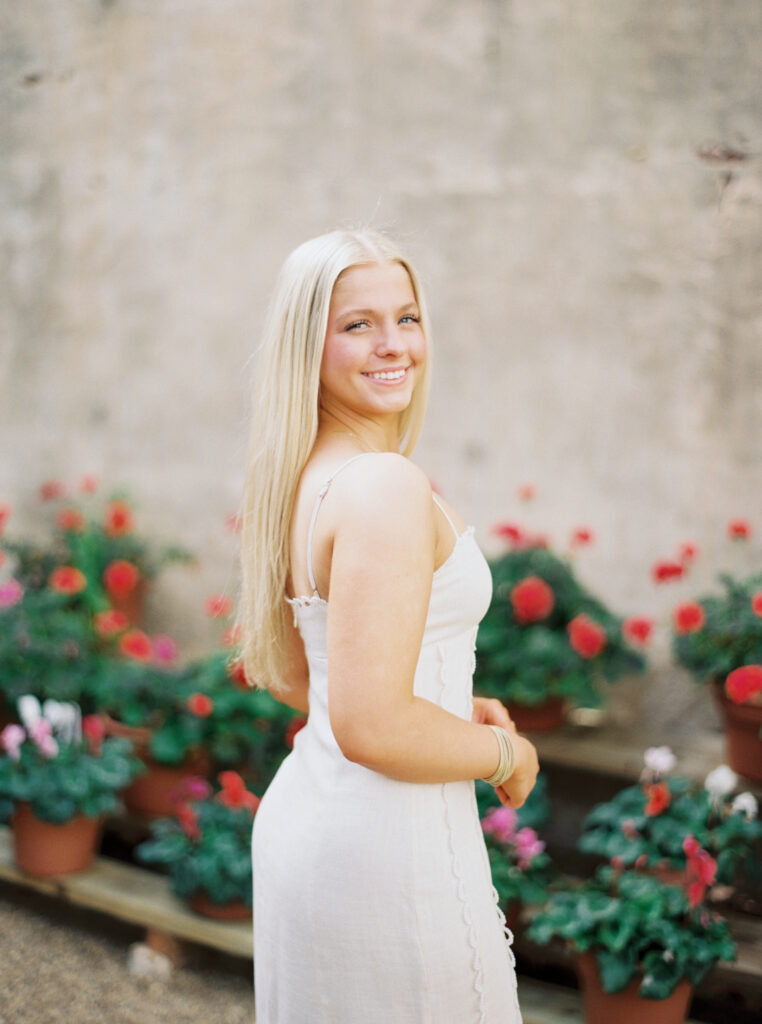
[
  {"x": 646, "y": 825},
  {"x": 206, "y": 846},
  {"x": 147, "y": 702},
  {"x": 94, "y": 541},
  {"x": 45, "y": 648},
  {"x": 641, "y": 945},
  {"x": 242, "y": 726},
  {"x": 545, "y": 640},
  {"x": 719, "y": 640},
  {"x": 521, "y": 869},
  {"x": 58, "y": 778}
]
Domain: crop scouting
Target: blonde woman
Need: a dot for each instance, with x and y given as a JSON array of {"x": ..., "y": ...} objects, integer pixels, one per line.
[{"x": 362, "y": 592}]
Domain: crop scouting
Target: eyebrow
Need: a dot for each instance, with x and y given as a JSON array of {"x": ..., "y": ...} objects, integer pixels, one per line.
[{"x": 366, "y": 312}]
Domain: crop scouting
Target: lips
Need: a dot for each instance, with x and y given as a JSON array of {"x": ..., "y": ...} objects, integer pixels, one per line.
[{"x": 389, "y": 376}]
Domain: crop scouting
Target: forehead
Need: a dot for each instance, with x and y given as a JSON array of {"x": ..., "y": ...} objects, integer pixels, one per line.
[{"x": 372, "y": 284}]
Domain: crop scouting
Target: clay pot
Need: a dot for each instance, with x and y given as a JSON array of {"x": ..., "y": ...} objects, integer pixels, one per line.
[
  {"x": 742, "y": 739},
  {"x": 43, "y": 849},
  {"x": 235, "y": 911},
  {"x": 538, "y": 717},
  {"x": 627, "y": 1007},
  {"x": 151, "y": 794}
]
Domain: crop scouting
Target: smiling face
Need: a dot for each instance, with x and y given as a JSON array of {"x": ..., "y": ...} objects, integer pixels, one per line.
[{"x": 375, "y": 349}]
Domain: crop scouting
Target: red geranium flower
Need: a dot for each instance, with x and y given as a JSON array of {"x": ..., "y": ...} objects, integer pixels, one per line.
[
  {"x": 234, "y": 792},
  {"x": 581, "y": 536},
  {"x": 200, "y": 704},
  {"x": 188, "y": 819},
  {"x": 110, "y": 622},
  {"x": 51, "y": 490},
  {"x": 756, "y": 603},
  {"x": 638, "y": 628},
  {"x": 88, "y": 483},
  {"x": 5, "y": 514},
  {"x": 687, "y": 552},
  {"x": 658, "y": 798},
  {"x": 218, "y": 606},
  {"x": 739, "y": 529},
  {"x": 586, "y": 636},
  {"x": 688, "y": 617},
  {"x": 136, "y": 644},
  {"x": 120, "y": 577},
  {"x": 510, "y": 531},
  {"x": 294, "y": 726},
  {"x": 94, "y": 730},
  {"x": 701, "y": 869},
  {"x": 67, "y": 579},
  {"x": 666, "y": 570},
  {"x": 238, "y": 675},
  {"x": 117, "y": 519},
  {"x": 70, "y": 518},
  {"x": 744, "y": 683},
  {"x": 532, "y": 600}
]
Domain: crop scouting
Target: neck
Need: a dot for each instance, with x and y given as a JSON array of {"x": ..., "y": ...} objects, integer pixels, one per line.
[{"x": 371, "y": 435}]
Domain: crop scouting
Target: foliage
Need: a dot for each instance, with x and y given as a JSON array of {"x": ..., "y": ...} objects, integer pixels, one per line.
[
  {"x": 636, "y": 926},
  {"x": 208, "y": 845},
  {"x": 45, "y": 649},
  {"x": 621, "y": 828},
  {"x": 526, "y": 656},
  {"x": 81, "y": 777},
  {"x": 731, "y": 633}
]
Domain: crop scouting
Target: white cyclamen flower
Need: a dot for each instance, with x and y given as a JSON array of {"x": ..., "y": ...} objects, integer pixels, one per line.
[
  {"x": 29, "y": 710},
  {"x": 65, "y": 719},
  {"x": 721, "y": 781},
  {"x": 746, "y": 804},
  {"x": 659, "y": 760}
]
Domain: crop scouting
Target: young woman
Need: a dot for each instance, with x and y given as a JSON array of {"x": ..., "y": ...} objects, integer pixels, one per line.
[{"x": 361, "y": 597}]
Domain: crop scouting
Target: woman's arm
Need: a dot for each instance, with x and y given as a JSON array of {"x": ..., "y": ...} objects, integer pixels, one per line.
[{"x": 380, "y": 584}]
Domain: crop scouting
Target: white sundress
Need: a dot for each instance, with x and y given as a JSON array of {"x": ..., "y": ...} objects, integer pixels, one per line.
[{"x": 373, "y": 899}]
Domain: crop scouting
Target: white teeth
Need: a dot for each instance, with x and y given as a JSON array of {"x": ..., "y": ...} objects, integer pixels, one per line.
[{"x": 383, "y": 375}]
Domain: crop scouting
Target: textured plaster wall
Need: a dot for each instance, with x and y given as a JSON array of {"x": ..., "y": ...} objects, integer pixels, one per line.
[{"x": 594, "y": 279}]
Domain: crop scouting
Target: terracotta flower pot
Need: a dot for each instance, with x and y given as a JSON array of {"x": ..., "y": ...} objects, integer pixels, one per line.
[
  {"x": 742, "y": 739},
  {"x": 235, "y": 911},
  {"x": 627, "y": 1007},
  {"x": 42, "y": 848},
  {"x": 538, "y": 717},
  {"x": 151, "y": 794}
]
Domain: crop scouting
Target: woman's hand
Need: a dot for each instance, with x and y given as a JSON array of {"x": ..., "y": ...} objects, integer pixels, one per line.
[
  {"x": 517, "y": 788},
  {"x": 489, "y": 711}
]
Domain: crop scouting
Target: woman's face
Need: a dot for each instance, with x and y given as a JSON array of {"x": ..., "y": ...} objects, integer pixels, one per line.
[{"x": 375, "y": 349}]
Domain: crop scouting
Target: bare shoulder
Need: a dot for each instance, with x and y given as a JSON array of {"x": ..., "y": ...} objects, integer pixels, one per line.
[{"x": 383, "y": 485}]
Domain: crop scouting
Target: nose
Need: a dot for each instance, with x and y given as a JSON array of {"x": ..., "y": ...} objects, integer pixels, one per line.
[{"x": 391, "y": 341}]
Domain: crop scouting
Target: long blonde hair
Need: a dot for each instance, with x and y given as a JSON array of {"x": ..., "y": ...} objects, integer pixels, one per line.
[{"x": 284, "y": 428}]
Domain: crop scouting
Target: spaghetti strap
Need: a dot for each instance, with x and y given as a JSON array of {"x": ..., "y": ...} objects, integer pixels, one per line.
[
  {"x": 318, "y": 501},
  {"x": 441, "y": 508}
]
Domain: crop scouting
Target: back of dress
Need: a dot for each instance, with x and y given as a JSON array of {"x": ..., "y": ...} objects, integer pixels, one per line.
[{"x": 373, "y": 900}]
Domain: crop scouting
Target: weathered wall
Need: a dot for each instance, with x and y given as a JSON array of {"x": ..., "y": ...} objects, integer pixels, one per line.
[{"x": 594, "y": 281}]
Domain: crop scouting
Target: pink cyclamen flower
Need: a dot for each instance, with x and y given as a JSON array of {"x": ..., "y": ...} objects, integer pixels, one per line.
[
  {"x": 41, "y": 732},
  {"x": 500, "y": 822},
  {"x": 164, "y": 648},
  {"x": 11, "y": 592},
  {"x": 528, "y": 846},
  {"x": 12, "y": 737}
]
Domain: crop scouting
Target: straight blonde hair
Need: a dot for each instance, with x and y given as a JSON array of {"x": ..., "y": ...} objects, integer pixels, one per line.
[{"x": 284, "y": 427}]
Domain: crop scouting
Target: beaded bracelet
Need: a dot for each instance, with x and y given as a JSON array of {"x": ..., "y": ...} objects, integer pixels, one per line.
[{"x": 507, "y": 761}]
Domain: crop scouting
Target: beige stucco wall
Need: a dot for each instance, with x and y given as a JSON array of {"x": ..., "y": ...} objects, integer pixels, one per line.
[{"x": 594, "y": 281}]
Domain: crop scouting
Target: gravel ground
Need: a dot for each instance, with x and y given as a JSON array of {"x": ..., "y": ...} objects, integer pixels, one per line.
[{"x": 64, "y": 965}]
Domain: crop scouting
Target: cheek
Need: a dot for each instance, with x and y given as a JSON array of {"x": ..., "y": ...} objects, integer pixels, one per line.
[{"x": 338, "y": 357}]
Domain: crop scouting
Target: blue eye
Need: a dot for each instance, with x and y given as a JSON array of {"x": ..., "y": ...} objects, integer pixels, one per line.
[
  {"x": 411, "y": 316},
  {"x": 357, "y": 323}
]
